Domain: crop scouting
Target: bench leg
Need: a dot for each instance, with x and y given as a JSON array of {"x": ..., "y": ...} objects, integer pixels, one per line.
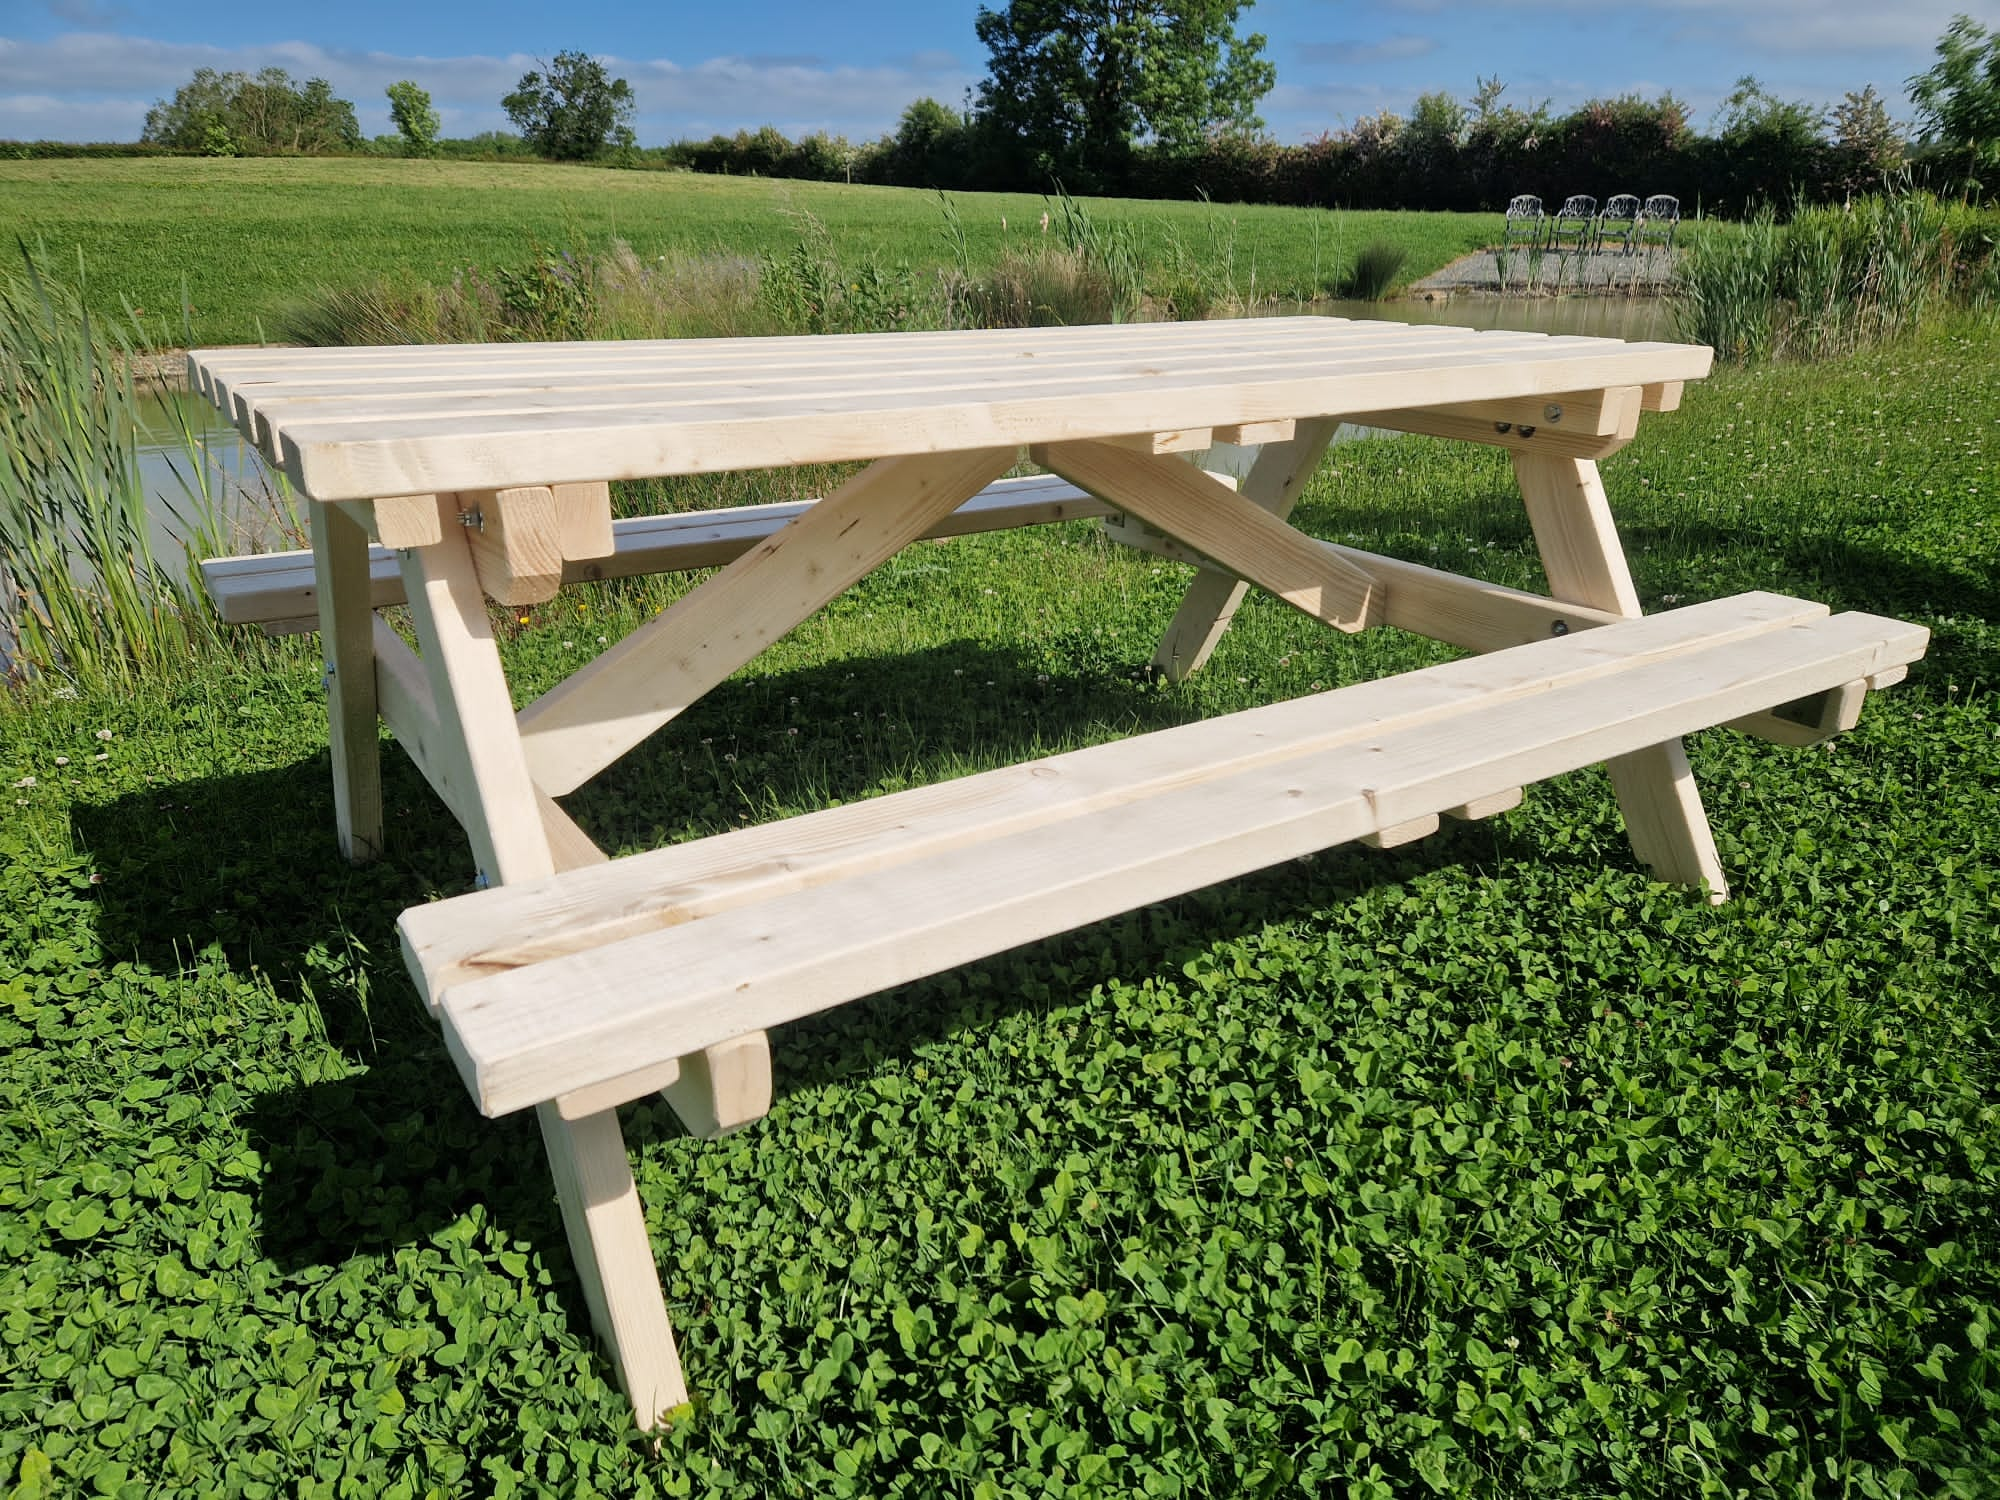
[
  {"x": 347, "y": 640},
  {"x": 1586, "y": 565},
  {"x": 614, "y": 1258},
  {"x": 1276, "y": 480}
]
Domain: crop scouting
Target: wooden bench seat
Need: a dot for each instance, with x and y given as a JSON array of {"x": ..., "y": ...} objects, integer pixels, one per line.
[
  {"x": 277, "y": 591},
  {"x": 554, "y": 989},
  {"x": 599, "y": 985}
]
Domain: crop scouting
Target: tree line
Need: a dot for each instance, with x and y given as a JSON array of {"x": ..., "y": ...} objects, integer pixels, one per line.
[{"x": 1157, "y": 98}]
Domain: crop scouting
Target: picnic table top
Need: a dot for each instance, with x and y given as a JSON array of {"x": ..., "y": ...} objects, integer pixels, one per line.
[{"x": 364, "y": 423}]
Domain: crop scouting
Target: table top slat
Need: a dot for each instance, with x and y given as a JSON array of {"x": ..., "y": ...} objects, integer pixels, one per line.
[{"x": 359, "y": 423}]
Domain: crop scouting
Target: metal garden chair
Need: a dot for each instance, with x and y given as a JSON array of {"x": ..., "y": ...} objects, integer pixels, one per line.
[
  {"x": 1660, "y": 217},
  {"x": 1525, "y": 218},
  {"x": 1577, "y": 218},
  {"x": 1619, "y": 221}
]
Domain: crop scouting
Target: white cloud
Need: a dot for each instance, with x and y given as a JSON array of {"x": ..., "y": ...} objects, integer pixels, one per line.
[
  {"x": 1900, "y": 27},
  {"x": 106, "y": 82}
]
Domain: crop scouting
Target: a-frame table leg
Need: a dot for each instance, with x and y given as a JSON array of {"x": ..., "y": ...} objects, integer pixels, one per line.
[
  {"x": 1586, "y": 564},
  {"x": 1276, "y": 480},
  {"x": 500, "y": 807},
  {"x": 347, "y": 641}
]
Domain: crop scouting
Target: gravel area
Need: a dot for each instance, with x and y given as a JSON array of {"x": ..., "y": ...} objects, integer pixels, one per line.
[{"x": 1549, "y": 274}]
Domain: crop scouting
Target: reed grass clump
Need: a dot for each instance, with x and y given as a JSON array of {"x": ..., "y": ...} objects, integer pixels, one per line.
[
  {"x": 83, "y": 595},
  {"x": 1832, "y": 280},
  {"x": 1375, "y": 269}
]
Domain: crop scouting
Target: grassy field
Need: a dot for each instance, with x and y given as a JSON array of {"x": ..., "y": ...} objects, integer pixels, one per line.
[
  {"x": 246, "y": 238},
  {"x": 1482, "y": 1167}
]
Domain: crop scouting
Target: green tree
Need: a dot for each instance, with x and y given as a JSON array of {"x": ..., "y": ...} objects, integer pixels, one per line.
[
  {"x": 416, "y": 121},
  {"x": 928, "y": 149},
  {"x": 572, "y": 109},
  {"x": 1074, "y": 84},
  {"x": 1866, "y": 142},
  {"x": 222, "y": 113},
  {"x": 1958, "y": 98}
]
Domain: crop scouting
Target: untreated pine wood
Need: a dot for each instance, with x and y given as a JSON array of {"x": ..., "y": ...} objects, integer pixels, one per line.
[
  {"x": 1585, "y": 564},
  {"x": 613, "y": 1256},
  {"x": 583, "y": 521},
  {"x": 398, "y": 521},
  {"x": 575, "y": 730},
  {"x": 368, "y": 444},
  {"x": 758, "y": 964},
  {"x": 475, "y": 715},
  {"x": 517, "y": 543},
  {"x": 1275, "y": 482},
  {"x": 509, "y": 822},
  {"x": 1584, "y": 425},
  {"x": 1197, "y": 510},
  {"x": 688, "y": 882},
  {"x": 340, "y": 563},
  {"x": 275, "y": 589}
]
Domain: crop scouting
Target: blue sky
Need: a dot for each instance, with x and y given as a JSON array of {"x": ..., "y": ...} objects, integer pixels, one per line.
[{"x": 87, "y": 69}]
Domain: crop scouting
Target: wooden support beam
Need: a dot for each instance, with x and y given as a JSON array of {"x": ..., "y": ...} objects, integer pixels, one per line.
[
  {"x": 346, "y": 626},
  {"x": 1275, "y": 482},
  {"x": 1585, "y": 564},
  {"x": 1201, "y": 513},
  {"x": 1256, "y": 434},
  {"x": 1486, "y": 807},
  {"x": 478, "y": 748},
  {"x": 583, "y": 521},
  {"x": 1180, "y": 440},
  {"x": 1407, "y": 832},
  {"x": 576, "y": 729},
  {"x": 1599, "y": 413},
  {"x": 517, "y": 543},
  {"x": 613, "y": 1256},
  {"x": 1810, "y": 720}
]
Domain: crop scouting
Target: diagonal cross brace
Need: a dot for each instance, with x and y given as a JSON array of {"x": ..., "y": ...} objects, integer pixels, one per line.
[
  {"x": 575, "y": 730},
  {"x": 1199, "y": 511}
]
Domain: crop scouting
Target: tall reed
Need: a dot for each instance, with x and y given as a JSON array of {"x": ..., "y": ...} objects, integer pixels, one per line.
[
  {"x": 1830, "y": 280},
  {"x": 85, "y": 596}
]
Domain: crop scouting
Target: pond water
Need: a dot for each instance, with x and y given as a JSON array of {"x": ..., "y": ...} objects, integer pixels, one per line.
[{"x": 165, "y": 465}]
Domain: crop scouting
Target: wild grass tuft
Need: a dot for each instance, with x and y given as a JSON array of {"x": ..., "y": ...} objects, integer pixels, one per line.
[{"x": 1375, "y": 270}]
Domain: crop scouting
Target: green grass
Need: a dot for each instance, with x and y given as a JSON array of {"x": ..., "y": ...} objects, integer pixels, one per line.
[
  {"x": 244, "y": 239},
  {"x": 1482, "y": 1167}
]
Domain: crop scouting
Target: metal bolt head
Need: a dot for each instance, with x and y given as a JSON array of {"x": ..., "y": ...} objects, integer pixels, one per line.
[{"x": 1552, "y": 412}]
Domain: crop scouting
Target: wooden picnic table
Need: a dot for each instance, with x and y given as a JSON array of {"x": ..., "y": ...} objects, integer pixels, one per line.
[{"x": 481, "y": 473}]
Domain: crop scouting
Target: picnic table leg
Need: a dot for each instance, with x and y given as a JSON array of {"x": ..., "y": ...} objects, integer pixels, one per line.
[
  {"x": 518, "y": 833},
  {"x": 614, "y": 1257},
  {"x": 347, "y": 635},
  {"x": 1585, "y": 564},
  {"x": 1276, "y": 480}
]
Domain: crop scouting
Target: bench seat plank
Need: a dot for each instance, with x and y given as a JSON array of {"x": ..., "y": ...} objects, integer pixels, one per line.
[
  {"x": 554, "y": 1000},
  {"x": 456, "y": 940}
]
